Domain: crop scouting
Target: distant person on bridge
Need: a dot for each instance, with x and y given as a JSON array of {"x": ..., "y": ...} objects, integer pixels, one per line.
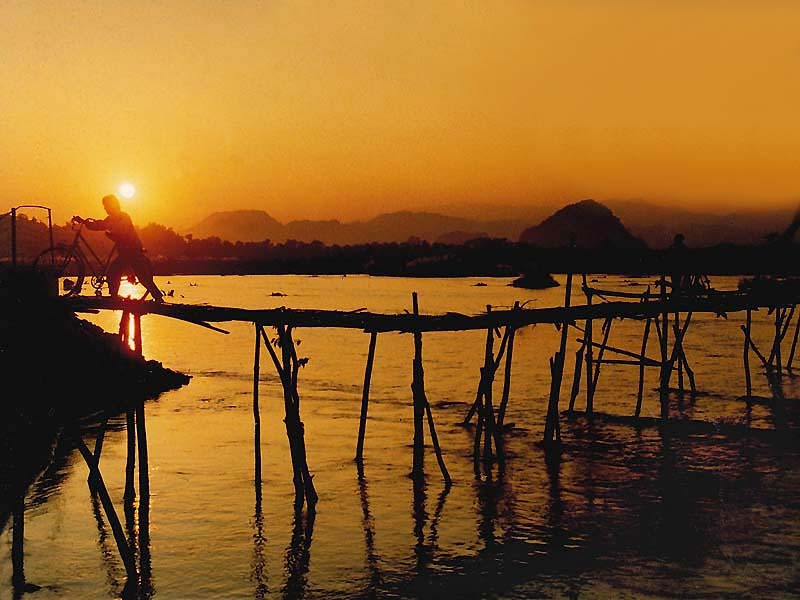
[
  {"x": 130, "y": 253},
  {"x": 678, "y": 264}
]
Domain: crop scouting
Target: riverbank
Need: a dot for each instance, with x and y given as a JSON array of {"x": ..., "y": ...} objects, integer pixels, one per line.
[{"x": 58, "y": 372}]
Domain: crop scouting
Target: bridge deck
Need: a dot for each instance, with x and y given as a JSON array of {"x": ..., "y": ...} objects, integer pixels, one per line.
[{"x": 719, "y": 303}]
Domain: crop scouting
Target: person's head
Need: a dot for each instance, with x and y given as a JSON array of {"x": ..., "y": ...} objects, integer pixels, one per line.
[
  {"x": 679, "y": 239},
  {"x": 111, "y": 204}
]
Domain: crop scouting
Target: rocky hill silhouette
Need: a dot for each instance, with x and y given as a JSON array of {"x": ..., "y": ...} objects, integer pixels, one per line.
[
  {"x": 256, "y": 226},
  {"x": 590, "y": 223}
]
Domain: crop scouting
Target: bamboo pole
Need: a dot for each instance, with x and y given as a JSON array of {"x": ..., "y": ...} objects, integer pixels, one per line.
[
  {"x": 488, "y": 409},
  {"x": 552, "y": 428},
  {"x": 417, "y": 397},
  {"x": 640, "y": 394},
  {"x": 256, "y": 375},
  {"x": 576, "y": 377},
  {"x": 141, "y": 439},
  {"x": 303, "y": 484},
  {"x": 599, "y": 361},
  {"x": 436, "y": 448},
  {"x": 111, "y": 514},
  {"x": 794, "y": 343},
  {"x": 663, "y": 387},
  {"x": 98, "y": 446},
  {"x": 589, "y": 367},
  {"x": 748, "y": 382},
  {"x": 510, "y": 333},
  {"x": 256, "y": 409},
  {"x": 362, "y": 425},
  {"x": 137, "y": 334},
  {"x": 676, "y": 326}
]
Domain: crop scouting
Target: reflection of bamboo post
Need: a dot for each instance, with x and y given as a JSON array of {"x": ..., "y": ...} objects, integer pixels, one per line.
[
  {"x": 362, "y": 425},
  {"x": 111, "y": 514},
  {"x": 747, "y": 380},
  {"x": 98, "y": 444},
  {"x": 417, "y": 397},
  {"x": 18, "y": 545},
  {"x": 130, "y": 463},
  {"x": 640, "y": 394}
]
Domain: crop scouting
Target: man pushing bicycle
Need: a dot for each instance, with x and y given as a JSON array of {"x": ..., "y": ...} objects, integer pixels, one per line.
[{"x": 130, "y": 253}]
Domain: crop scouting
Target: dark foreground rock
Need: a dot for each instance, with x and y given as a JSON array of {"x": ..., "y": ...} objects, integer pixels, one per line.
[{"x": 58, "y": 372}]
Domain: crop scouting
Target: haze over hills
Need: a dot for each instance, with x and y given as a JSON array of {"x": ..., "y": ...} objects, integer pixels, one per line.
[{"x": 654, "y": 224}]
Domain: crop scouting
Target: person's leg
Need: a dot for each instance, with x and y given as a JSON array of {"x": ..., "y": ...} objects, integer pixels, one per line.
[
  {"x": 144, "y": 272},
  {"x": 114, "y": 274}
]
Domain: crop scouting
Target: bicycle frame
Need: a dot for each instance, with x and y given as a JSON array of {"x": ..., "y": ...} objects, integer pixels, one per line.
[{"x": 96, "y": 267}]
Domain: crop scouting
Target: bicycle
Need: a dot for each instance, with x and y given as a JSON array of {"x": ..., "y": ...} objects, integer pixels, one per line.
[{"x": 70, "y": 261}]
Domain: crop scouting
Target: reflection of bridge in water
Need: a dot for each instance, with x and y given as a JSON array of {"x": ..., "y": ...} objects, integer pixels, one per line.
[{"x": 667, "y": 315}]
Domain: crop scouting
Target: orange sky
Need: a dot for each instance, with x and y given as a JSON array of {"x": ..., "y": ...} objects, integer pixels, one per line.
[{"x": 346, "y": 109}]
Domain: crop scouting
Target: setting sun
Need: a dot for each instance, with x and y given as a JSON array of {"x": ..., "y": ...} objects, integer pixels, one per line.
[{"x": 127, "y": 190}]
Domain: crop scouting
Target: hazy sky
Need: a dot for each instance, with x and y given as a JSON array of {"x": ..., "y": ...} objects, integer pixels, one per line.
[{"x": 346, "y": 109}]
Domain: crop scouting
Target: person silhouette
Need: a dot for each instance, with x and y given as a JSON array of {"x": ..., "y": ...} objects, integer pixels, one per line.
[
  {"x": 130, "y": 253},
  {"x": 678, "y": 262}
]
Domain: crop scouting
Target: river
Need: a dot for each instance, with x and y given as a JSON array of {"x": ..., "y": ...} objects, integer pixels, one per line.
[{"x": 625, "y": 513}]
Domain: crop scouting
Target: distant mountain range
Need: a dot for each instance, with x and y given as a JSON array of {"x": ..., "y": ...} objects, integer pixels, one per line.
[{"x": 620, "y": 223}]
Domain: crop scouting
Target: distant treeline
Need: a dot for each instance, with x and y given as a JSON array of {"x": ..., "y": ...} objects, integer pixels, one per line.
[{"x": 172, "y": 253}]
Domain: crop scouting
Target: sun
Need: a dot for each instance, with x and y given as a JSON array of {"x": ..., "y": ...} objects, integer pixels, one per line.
[{"x": 127, "y": 190}]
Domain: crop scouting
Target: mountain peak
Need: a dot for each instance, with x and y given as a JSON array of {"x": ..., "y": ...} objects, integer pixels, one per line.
[{"x": 591, "y": 223}]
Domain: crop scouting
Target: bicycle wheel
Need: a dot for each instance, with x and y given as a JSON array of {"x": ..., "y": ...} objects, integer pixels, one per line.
[{"x": 66, "y": 266}]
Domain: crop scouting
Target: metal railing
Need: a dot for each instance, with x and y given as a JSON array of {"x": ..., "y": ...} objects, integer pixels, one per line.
[{"x": 13, "y": 214}]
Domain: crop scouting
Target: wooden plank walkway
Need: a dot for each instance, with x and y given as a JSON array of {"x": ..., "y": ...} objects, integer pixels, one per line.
[{"x": 718, "y": 303}]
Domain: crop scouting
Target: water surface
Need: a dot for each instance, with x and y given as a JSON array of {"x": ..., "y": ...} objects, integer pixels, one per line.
[{"x": 624, "y": 513}]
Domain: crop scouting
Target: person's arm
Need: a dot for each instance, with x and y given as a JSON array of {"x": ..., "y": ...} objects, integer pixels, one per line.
[{"x": 93, "y": 224}]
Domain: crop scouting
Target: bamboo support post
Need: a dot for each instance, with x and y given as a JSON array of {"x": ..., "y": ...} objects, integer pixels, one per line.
[
  {"x": 417, "y": 397},
  {"x": 676, "y": 326},
  {"x": 576, "y": 377},
  {"x": 794, "y": 343},
  {"x": 747, "y": 379},
  {"x": 552, "y": 428},
  {"x": 256, "y": 409},
  {"x": 606, "y": 332},
  {"x": 111, "y": 514},
  {"x": 362, "y": 425},
  {"x": 640, "y": 394},
  {"x": 589, "y": 367},
  {"x": 295, "y": 430},
  {"x": 666, "y": 372},
  {"x": 510, "y": 333},
  {"x": 141, "y": 440},
  {"x": 436, "y": 447}
]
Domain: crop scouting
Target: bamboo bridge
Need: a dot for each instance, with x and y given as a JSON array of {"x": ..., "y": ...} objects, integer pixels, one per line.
[{"x": 667, "y": 313}]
